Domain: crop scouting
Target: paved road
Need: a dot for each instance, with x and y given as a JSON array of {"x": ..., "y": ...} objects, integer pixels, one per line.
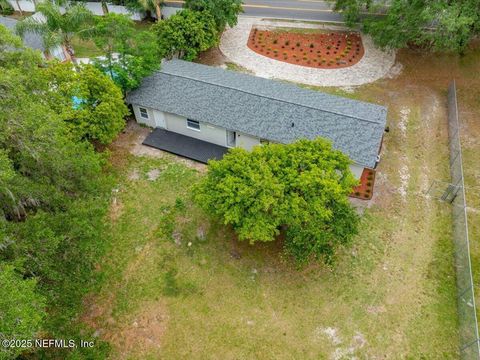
[{"x": 289, "y": 9}]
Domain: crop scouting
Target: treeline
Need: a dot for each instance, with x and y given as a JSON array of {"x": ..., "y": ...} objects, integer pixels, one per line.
[
  {"x": 53, "y": 190},
  {"x": 443, "y": 25},
  {"x": 55, "y": 182}
]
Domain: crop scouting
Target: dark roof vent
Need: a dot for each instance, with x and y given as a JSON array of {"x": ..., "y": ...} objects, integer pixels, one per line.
[{"x": 293, "y": 124}]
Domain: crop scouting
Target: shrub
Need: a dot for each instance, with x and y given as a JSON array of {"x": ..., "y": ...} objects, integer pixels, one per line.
[
  {"x": 287, "y": 179},
  {"x": 287, "y": 43},
  {"x": 297, "y": 44},
  {"x": 275, "y": 41},
  {"x": 357, "y": 193},
  {"x": 312, "y": 46},
  {"x": 369, "y": 183}
]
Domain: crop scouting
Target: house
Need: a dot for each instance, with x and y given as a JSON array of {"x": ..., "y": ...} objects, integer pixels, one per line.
[
  {"x": 34, "y": 41},
  {"x": 194, "y": 105}
]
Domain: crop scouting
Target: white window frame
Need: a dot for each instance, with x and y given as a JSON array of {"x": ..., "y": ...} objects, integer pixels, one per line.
[
  {"x": 143, "y": 111},
  {"x": 194, "y": 121}
]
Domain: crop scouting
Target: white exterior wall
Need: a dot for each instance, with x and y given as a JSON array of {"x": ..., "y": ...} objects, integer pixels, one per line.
[
  {"x": 356, "y": 170},
  {"x": 209, "y": 133},
  {"x": 151, "y": 119},
  {"x": 246, "y": 141}
]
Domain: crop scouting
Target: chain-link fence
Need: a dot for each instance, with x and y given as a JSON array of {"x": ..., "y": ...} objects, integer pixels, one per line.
[{"x": 455, "y": 193}]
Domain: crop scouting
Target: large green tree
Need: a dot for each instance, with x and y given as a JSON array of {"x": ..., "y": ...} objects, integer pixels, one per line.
[
  {"x": 186, "y": 33},
  {"x": 301, "y": 188},
  {"x": 225, "y": 12},
  {"x": 87, "y": 100},
  {"x": 22, "y": 310},
  {"x": 53, "y": 198},
  {"x": 59, "y": 25},
  {"x": 130, "y": 55},
  {"x": 436, "y": 24}
]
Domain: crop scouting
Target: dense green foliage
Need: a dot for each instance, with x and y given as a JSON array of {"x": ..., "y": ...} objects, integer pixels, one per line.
[
  {"x": 302, "y": 188},
  {"x": 5, "y": 8},
  {"x": 439, "y": 24},
  {"x": 87, "y": 100},
  {"x": 60, "y": 25},
  {"x": 21, "y": 309},
  {"x": 185, "y": 34},
  {"x": 53, "y": 197},
  {"x": 129, "y": 55},
  {"x": 225, "y": 12}
]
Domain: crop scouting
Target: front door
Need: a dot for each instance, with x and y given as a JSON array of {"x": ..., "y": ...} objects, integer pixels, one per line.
[
  {"x": 159, "y": 119},
  {"x": 231, "y": 135}
]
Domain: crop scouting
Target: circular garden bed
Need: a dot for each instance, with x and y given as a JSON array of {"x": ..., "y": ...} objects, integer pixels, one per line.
[{"x": 324, "y": 50}]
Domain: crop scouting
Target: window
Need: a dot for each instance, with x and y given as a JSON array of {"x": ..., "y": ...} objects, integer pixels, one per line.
[
  {"x": 143, "y": 113},
  {"x": 193, "y": 124}
]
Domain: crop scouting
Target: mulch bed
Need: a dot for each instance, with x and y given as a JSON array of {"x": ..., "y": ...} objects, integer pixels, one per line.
[
  {"x": 365, "y": 189},
  {"x": 324, "y": 50}
]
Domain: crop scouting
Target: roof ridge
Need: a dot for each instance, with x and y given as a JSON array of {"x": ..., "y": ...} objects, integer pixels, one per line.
[{"x": 270, "y": 97}]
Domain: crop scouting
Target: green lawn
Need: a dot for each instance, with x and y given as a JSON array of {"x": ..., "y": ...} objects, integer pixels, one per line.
[
  {"x": 85, "y": 48},
  {"x": 392, "y": 295},
  {"x": 468, "y": 90}
]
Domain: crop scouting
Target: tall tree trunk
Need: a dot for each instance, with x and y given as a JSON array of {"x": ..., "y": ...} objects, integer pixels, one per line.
[
  {"x": 19, "y": 8},
  {"x": 158, "y": 11},
  {"x": 104, "y": 7}
]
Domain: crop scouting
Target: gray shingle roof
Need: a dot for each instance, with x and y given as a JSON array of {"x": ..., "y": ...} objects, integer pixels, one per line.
[
  {"x": 30, "y": 40},
  {"x": 264, "y": 108}
]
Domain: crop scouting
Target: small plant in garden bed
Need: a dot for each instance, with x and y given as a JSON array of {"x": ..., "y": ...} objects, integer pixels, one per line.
[{"x": 365, "y": 189}]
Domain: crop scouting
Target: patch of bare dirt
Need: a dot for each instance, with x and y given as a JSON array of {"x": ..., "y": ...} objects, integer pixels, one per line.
[
  {"x": 130, "y": 142},
  {"x": 140, "y": 334},
  {"x": 116, "y": 210},
  {"x": 212, "y": 57}
]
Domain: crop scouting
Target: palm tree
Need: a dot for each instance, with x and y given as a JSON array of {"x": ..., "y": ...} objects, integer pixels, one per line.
[
  {"x": 19, "y": 8},
  {"x": 104, "y": 7},
  {"x": 152, "y": 5},
  {"x": 58, "y": 27}
]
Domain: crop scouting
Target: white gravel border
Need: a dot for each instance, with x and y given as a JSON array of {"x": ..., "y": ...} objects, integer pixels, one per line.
[{"x": 374, "y": 64}]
